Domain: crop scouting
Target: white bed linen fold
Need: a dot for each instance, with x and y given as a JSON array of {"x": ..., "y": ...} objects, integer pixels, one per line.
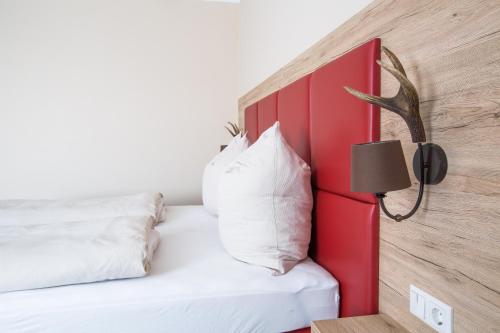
[
  {"x": 62, "y": 253},
  {"x": 154, "y": 239},
  {"x": 49, "y": 211}
]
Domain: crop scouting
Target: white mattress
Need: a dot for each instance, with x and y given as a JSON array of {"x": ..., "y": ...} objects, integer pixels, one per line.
[{"x": 194, "y": 287}]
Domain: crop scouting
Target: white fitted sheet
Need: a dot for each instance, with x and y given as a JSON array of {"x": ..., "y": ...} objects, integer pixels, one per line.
[{"x": 194, "y": 286}]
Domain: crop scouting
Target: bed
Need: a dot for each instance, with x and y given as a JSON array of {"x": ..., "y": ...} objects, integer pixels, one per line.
[{"x": 195, "y": 287}]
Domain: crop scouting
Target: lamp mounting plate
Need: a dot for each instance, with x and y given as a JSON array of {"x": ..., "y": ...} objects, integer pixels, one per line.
[{"x": 435, "y": 162}]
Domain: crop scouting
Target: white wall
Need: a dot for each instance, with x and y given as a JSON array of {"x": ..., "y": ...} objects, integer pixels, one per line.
[
  {"x": 274, "y": 32},
  {"x": 105, "y": 97}
]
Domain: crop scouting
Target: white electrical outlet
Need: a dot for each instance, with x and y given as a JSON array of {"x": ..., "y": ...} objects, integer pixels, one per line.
[
  {"x": 432, "y": 311},
  {"x": 417, "y": 303}
]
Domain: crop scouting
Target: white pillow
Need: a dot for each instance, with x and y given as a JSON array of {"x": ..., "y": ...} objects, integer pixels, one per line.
[
  {"x": 216, "y": 167},
  {"x": 265, "y": 203}
]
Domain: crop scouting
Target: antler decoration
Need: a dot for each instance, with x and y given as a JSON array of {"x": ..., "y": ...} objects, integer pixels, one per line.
[
  {"x": 234, "y": 130},
  {"x": 405, "y": 103}
]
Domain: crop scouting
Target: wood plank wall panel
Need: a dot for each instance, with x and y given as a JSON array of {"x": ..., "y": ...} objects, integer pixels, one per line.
[{"x": 451, "y": 247}]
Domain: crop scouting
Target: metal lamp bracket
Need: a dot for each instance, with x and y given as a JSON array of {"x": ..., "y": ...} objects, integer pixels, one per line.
[{"x": 435, "y": 163}]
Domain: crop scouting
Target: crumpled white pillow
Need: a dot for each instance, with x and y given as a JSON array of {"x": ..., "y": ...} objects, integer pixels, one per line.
[
  {"x": 265, "y": 204},
  {"x": 216, "y": 167}
]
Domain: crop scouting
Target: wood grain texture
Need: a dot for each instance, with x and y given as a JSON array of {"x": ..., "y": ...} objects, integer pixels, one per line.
[
  {"x": 451, "y": 247},
  {"x": 365, "y": 324}
]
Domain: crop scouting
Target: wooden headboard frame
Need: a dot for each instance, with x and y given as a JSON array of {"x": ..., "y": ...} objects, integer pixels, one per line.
[{"x": 321, "y": 121}]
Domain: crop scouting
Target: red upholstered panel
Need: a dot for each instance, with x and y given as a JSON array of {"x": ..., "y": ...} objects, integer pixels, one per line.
[
  {"x": 293, "y": 115},
  {"x": 346, "y": 243},
  {"x": 251, "y": 123},
  {"x": 268, "y": 112},
  {"x": 339, "y": 120},
  {"x": 345, "y": 236}
]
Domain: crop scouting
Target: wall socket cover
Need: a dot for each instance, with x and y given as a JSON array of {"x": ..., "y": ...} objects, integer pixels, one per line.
[{"x": 432, "y": 311}]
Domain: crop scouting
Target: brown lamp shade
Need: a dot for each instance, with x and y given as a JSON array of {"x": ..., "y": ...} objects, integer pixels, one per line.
[{"x": 378, "y": 167}]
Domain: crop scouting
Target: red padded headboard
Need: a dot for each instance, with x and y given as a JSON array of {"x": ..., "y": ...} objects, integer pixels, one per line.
[{"x": 321, "y": 121}]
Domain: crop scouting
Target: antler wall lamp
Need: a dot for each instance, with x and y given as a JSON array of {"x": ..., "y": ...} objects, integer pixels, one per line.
[{"x": 380, "y": 167}]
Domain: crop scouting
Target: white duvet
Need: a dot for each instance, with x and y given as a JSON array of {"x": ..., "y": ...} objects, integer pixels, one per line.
[
  {"x": 50, "y": 211},
  {"x": 54, "y": 243},
  {"x": 46, "y": 255}
]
